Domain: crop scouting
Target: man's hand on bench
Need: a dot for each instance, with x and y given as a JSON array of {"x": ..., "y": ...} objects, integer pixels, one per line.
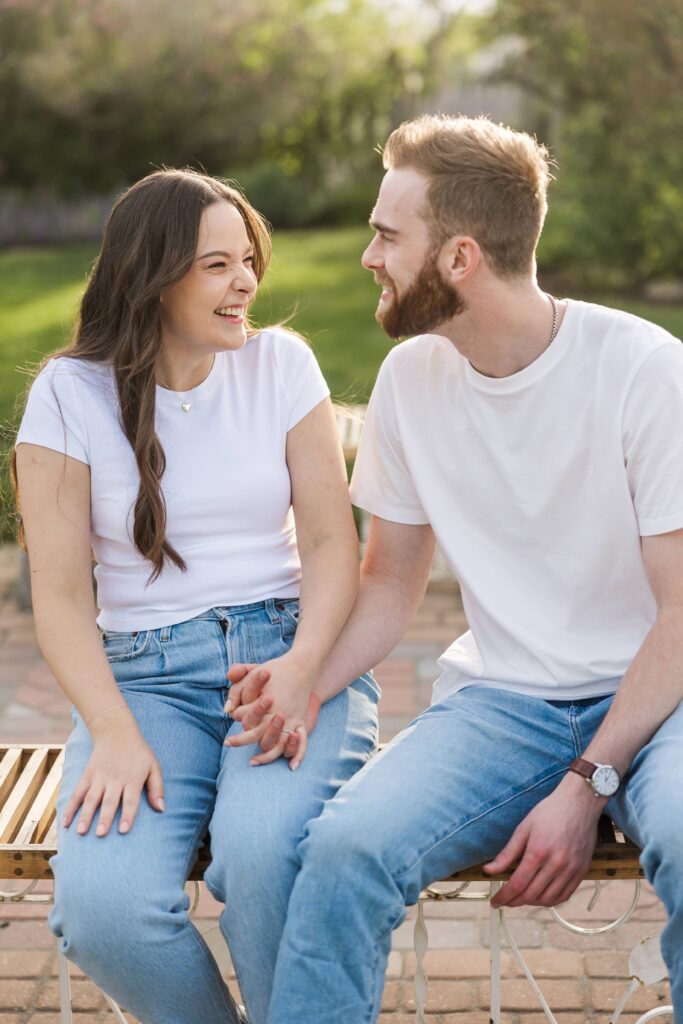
[{"x": 554, "y": 845}]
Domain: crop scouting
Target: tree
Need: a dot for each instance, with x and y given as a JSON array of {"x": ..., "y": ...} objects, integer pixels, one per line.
[
  {"x": 95, "y": 93},
  {"x": 610, "y": 76}
]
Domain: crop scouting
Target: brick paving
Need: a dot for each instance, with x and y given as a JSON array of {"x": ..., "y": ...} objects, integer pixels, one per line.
[{"x": 582, "y": 977}]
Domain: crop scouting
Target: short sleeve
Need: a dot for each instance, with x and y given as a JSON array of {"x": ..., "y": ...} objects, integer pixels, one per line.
[
  {"x": 652, "y": 432},
  {"x": 51, "y": 418},
  {"x": 301, "y": 378},
  {"x": 381, "y": 482}
]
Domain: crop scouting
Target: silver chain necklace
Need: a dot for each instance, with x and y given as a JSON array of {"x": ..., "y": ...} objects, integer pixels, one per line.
[
  {"x": 556, "y": 319},
  {"x": 182, "y": 397}
]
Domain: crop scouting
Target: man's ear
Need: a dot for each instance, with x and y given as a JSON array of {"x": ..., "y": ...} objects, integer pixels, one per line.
[{"x": 459, "y": 258}]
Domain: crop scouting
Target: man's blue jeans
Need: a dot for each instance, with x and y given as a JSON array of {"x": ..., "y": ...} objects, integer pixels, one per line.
[
  {"x": 448, "y": 793},
  {"x": 120, "y": 907}
]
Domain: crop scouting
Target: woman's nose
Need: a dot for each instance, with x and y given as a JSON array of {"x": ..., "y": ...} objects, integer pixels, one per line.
[{"x": 246, "y": 281}]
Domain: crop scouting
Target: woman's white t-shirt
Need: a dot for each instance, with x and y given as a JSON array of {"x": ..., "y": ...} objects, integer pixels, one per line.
[
  {"x": 226, "y": 486},
  {"x": 539, "y": 487}
]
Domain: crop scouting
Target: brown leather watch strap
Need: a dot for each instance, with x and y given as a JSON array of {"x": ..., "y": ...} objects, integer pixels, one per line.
[{"x": 582, "y": 767}]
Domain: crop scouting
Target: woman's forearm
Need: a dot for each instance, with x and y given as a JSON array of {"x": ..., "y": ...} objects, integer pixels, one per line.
[
  {"x": 70, "y": 643},
  {"x": 329, "y": 585}
]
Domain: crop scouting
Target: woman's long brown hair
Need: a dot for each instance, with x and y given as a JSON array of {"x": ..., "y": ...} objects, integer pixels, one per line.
[{"x": 149, "y": 243}]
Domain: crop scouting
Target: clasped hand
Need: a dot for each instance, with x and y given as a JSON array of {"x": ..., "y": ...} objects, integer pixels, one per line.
[{"x": 276, "y": 707}]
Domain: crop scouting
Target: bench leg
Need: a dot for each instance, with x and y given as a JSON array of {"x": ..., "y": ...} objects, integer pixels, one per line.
[
  {"x": 495, "y": 921},
  {"x": 660, "y": 1011},
  {"x": 420, "y": 941},
  {"x": 115, "y": 1008},
  {"x": 514, "y": 948},
  {"x": 64, "y": 989}
]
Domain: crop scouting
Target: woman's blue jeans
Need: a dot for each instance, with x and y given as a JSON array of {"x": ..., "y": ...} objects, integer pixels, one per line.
[
  {"x": 448, "y": 793},
  {"x": 120, "y": 910}
]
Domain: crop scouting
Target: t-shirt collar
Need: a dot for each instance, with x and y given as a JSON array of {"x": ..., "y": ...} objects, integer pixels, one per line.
[{"x": 549, "y": 358}]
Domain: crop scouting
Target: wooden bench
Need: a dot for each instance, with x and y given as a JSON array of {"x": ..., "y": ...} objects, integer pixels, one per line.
[{"x": 29, "y": 782}]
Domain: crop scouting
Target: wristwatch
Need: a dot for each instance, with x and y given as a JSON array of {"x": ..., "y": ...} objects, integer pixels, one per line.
[{"x": 603, "y": 778}]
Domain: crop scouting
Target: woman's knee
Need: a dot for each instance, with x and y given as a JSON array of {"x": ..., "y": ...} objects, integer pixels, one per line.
[
  {"x": 243, "y": 865},
  {"x": 112, "y": 914}
]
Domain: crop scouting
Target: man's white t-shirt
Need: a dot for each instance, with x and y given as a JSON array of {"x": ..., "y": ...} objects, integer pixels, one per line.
[
  {"x": 539, "y": 487},
  {"x": 227, "y": 487}
]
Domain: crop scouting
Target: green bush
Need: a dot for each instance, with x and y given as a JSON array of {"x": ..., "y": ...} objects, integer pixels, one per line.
[
  {"x": 288, "y": 200},
  {"x": 284, "y": 199}
]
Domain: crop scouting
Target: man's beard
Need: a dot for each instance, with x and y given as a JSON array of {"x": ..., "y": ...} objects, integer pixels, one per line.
[{"x": 427, "y": 303}]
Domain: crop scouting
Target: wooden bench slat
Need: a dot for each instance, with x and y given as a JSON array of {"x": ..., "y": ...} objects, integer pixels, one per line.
[
  {"x": 10, "y": 766},
  {"x": 25, "y": 788},
  {"x": 41, "y": 813},
  {"x": 28, "y": 863},
  {"x": 596, "y": 873},
  {"x": 34, "y": 771}
]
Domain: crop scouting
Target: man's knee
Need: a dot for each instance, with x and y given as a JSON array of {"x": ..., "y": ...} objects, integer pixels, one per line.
[{"x": 347, "y": 839}]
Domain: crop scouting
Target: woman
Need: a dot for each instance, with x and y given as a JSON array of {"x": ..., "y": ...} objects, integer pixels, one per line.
[{"x": 183, "y": 447}]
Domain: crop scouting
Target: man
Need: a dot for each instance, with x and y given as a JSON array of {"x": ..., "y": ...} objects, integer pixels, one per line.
[{"x": 541, "y": 442}]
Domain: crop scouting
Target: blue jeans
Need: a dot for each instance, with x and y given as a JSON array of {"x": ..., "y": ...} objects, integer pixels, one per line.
[
  {"x": 120, "y": 907},
  {"x": 448, "y": 793}
]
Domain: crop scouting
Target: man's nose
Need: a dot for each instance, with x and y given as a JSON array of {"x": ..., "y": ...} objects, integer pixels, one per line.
[{"x": 371, "y": 258}]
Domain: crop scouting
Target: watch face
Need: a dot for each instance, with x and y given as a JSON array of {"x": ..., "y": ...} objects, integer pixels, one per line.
[{"x": 605, "y": 780}]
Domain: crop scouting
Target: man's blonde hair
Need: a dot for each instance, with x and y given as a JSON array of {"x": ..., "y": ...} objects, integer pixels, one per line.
[{"x": 485, "y": 180}]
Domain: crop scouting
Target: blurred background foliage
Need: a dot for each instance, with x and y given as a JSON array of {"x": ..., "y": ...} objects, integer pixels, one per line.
[
  {"x": 290, "y": 97},
  {"x": 607, "y": 78},
  {"x": 287, "y": 96}
]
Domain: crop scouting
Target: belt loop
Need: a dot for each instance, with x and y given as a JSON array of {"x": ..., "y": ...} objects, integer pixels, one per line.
[
  {"x": 272, "y": 611},
  {"x": 165, "y": 633}
]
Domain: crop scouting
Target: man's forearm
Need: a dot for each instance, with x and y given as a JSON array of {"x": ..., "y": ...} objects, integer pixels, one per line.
[
  {"x": 377, "y": 622},
  {"x": 649, "y": 692}
]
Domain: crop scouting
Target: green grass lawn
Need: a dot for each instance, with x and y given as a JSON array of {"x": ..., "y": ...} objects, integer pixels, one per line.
[{"x": 315, "y": 279}]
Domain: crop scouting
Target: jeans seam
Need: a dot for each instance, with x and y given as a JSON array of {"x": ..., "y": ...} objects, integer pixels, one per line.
[
  {"x": 228, "y": 1001},
  {"x": 634, "y": 810},
  {"x": 479, "y": 817},
  {"x": 577, "y": 736},
  {"x": 376, "y": 1002}
]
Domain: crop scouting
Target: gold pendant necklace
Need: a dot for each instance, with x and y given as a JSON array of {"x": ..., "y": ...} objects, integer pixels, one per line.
[{"x": 182, "y": 398}]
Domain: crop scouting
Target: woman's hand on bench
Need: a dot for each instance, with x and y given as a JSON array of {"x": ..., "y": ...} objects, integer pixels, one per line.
[{"x": 121, "y": 765}]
